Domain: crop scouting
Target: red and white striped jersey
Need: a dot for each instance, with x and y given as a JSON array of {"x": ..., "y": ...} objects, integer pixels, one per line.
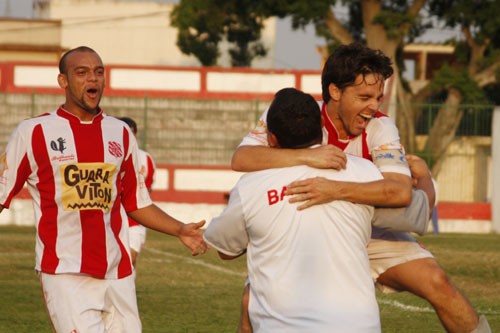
[
  {"x": 380, "y": 139},
  {"x": 83, "y": 177}
]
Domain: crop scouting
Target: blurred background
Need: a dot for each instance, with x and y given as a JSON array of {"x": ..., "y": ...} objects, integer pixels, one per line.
[{"x": 196, "y": 76}]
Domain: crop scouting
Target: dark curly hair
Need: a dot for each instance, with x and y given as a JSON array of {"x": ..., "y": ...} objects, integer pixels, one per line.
[{"x": 348, "y": 61}]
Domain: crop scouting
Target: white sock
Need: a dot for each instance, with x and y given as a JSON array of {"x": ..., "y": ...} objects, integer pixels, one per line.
[{"x": 482, "y": 326}]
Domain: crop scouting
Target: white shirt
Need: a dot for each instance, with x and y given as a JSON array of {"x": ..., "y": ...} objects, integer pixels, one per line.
[{"x": 308, "y": 269}]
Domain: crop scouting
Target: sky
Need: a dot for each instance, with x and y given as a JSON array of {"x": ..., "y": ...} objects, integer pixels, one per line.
[{"x": 294, "y": 49}]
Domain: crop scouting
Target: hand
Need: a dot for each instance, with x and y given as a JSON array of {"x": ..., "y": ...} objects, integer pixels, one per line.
[
  {"x": 191, "y": 235},
  {"x": 312, "y": 191},
  {"x": 326, "y": 157},
  {"x": 418, "y": 168}
]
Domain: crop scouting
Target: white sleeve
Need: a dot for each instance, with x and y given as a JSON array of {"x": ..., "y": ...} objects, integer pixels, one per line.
[
  {"x": 414, "y": 218},
  {"x": 15, "y": 167},
  {"x": 257, "y": 136},
  {"x": 385, "y": 147},
  {"x": 227, "y": 232}
]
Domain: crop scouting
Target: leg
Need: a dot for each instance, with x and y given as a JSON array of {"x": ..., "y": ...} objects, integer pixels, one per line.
[
  {"x": 425, "y": 278},
  {"x": 74, "y": 302},
  {"x": 245, "y": 326}
]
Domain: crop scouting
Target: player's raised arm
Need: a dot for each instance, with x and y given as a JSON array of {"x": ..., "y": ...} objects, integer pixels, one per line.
[{"x": 254, "y": 158}]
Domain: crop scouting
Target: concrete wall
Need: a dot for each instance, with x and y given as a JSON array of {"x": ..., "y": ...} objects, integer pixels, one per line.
[
  {"x": 30, "y": 40},
  {"x": 133, "y": 32}
]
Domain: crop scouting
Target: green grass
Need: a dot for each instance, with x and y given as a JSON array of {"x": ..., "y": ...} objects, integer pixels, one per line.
[{"x": 180, "y": 293}]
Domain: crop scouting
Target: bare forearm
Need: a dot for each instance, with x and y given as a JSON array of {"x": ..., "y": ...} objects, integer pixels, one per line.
[
  {"x": 381, "y": 193},
  {"x": 425, "y": 184},
  {"x": 422, "y": 178},
  {"x": 255, "y": 158},
  {"x": 154, "y": 218},
  {"x": 393, "y": 191}
]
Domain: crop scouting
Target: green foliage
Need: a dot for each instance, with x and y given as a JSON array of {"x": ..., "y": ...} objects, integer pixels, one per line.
[
  {"x": 199, "y": 30},
  {"x": 458, "y": 78},
  {"x": 479, "y": 18},
  {"x": 203, "y": 24},
  {"x": 479, "y": 15},
  {"x": 392, "y": 21}
]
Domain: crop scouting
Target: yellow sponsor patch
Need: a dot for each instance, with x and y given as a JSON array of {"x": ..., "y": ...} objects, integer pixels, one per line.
[{"x": 87, "y": 186}]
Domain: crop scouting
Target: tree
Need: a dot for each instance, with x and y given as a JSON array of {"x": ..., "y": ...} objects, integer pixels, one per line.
[
  {"x": 477, "y": 66},
  {"x": 203, "y": 24},
  {"x": 387, "y": 25}
]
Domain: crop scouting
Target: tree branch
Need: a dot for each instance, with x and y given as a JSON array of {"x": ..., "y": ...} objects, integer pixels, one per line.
[
  {"x": 336, "y": 29},
  {"x": 412, "y": 11},
  {"x": 487, "y": 76}
]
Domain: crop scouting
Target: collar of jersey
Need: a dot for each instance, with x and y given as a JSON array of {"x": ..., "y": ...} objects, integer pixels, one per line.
[{"x": 61, "y": 112}]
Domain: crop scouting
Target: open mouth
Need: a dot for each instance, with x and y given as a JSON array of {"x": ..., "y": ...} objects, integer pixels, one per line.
[
  {"x": 92, "y": 92},
  {"x": 365, "y": 116}
]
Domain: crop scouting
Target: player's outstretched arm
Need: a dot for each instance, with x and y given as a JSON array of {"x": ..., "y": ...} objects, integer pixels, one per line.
[
  {"x": 190, "y": 234},
  {"x": 255, "y": 158}
]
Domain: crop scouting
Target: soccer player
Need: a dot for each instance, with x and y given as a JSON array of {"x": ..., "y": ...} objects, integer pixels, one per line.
[
  {"x": 352, "y": 87},
  {"x": 308, "y": 269},
  {"x": 81, "y": 168},
  {"x": 147, "y": 167}
]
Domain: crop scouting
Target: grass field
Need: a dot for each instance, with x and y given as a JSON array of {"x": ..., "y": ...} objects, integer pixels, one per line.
[{"x": 180, "y": 293}]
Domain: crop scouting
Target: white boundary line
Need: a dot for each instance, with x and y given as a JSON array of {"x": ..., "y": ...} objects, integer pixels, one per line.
[
  {"x": 197, "y": 262},
  {"x": 396, "y": 304}
]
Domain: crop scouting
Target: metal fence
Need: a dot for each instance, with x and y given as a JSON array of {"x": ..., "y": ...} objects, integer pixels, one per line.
[
  {"x": 174, "y": 131},
  {"x": 206, "y": 132}
]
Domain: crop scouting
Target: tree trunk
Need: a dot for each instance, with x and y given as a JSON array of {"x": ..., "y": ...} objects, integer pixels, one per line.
[
  {"x": 444, "y": 128},
  {"x": 405, "y": 119}
]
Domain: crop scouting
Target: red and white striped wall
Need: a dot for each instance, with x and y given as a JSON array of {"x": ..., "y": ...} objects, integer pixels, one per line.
[{"x": 191, "y": 193}]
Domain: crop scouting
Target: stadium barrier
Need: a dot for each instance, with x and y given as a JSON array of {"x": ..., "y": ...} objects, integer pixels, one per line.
[{"x": 191, "y": 193}]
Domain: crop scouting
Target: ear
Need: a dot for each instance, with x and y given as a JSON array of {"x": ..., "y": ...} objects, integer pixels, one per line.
[
  {"x": 334, "y": 92},
  {"x": 62, "y": 80},
  {"x": 272, "y": 140}
]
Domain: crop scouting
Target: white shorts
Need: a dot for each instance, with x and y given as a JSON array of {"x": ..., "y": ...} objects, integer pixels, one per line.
[
  {"x": 384, "y": 254},
  {"x": 81, "y": 303},
  {"x": 137, "y": 237}
]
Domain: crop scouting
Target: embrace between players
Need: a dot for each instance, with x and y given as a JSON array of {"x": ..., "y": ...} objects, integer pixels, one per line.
[{"x": 312, "y": 259}]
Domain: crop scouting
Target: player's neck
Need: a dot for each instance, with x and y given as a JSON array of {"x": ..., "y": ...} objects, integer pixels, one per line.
[{"x": 332, "y": 111}]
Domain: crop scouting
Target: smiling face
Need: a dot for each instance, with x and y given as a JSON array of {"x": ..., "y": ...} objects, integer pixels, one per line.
[
  {"x": 84, "y": 81},
  {"x": 352, "y": 108}
]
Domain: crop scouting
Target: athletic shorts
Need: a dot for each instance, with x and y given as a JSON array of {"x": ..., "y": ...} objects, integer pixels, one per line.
[
  {"x": 80, "y": 303},
  {"x": 137, "y": 237},
  {"x": 384, "y": 254}
]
